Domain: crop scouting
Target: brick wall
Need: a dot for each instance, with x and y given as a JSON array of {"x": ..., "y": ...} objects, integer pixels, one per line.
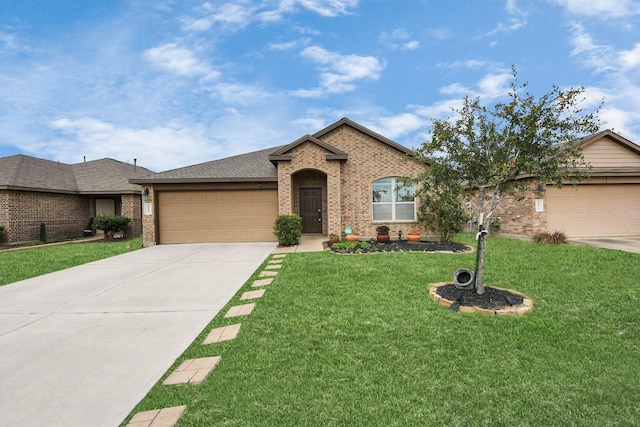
[
  {"x": 349, "y": 182},
  {"x": 64, "y": 215},
  {"x": 148, "y": 221},
  {"x": 518, "y": 217}
]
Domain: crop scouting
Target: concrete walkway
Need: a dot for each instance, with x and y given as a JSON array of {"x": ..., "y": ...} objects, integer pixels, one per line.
[
  {"x": 308, "y": 243},
  {"x": 82, "y": 346},
  {"x": 627, "y": 244}
]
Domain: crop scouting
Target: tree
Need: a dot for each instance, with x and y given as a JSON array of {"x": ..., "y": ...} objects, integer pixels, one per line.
[
  {"x": 490, "y": 149},
  {"x": 440, "y": 196}
]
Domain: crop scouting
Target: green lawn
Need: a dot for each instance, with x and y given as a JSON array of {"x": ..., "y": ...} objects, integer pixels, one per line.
[
  {"x": 356, "y": 341},
  {"x": 35, "y": 261}
]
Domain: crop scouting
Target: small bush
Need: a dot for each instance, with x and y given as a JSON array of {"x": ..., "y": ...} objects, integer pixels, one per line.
[
  {"x": 556, "y": 237},
  {"x": 111, "y": 224},
  {"x": 350, "y": 247},
  {"x": 1, "y": 234},
  {"x": 43, "y": 232},
  {"x": 288, "y": 229}
]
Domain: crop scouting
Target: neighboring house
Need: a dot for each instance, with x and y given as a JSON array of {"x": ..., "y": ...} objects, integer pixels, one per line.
[
  {"x": 65, "y": 196},
  {"x": 606, "y": 204},
  {"x": 344, "y": 175}
]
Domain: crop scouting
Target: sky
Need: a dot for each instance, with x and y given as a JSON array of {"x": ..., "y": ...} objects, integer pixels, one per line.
[{"x": 173, "y": 83}]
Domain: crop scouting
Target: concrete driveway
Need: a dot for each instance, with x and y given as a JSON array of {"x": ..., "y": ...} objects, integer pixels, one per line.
[
  {"x": 81, "y": 347},
  {"x": 627, "y": 244}
]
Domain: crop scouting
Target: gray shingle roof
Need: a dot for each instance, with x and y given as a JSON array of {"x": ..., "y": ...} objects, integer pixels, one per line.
[
  {"x": 20, "y": 172},
  {"x": 244, "y": 167}
]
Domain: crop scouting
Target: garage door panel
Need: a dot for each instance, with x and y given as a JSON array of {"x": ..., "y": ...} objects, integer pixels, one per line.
[
  {"x": 217, "y": 216},
  {"x": 594, "y": 210}
]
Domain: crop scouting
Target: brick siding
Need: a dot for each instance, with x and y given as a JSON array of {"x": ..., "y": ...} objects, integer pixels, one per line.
[
  {"x": 65, "y": 215},
  {"x": 348, "y": 183}
]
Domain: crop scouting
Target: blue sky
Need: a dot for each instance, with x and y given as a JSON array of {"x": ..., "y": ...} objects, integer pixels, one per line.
[{"x": 174, "y": 83}]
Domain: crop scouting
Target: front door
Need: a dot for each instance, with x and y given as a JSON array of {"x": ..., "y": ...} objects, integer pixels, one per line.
[{"x": 311, "y": 210}]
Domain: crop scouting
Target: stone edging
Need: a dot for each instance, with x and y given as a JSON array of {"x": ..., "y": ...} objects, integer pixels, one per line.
[{"x": 518, "y": 310}]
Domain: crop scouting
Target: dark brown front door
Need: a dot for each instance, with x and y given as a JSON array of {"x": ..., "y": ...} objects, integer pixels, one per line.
[{"x": 311, "y": 210}]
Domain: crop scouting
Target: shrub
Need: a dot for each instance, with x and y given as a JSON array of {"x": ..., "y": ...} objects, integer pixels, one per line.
[
  {"x": 288, "y": 229},
  {"x": 1, "y": 234},
  {"x": 111, "y": 223},
  {"x": 556, "y": 237},
  {"x": 43, "y": 232}
]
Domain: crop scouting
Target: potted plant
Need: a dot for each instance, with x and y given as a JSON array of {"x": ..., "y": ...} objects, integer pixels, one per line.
[
  {"x": 413, "y": 236},
  {"x": 334, "y": 238},
  {"x": 383, "y": 234},
  {"x": 351, "y": 236}
]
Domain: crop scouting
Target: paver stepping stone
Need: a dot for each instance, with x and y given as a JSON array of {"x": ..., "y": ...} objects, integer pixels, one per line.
[
  {"x": 279, "y": 255},
  {"x": 192, "y": 371},
  {"x": 275, "y": 261},
  {"x": 224, "y": 333},
  {"x": 272, "y": 266},
  {"x": 166, "y": 417},
  {"x": 252, "y": 294},
  {"x": 268, "y": 273},
  {"x": 240, "y": 310},
  {"x": 261, "y": 282}
]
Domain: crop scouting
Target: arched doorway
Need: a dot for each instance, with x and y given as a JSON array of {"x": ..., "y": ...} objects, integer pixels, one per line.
[{"x": 310, "y": 200}]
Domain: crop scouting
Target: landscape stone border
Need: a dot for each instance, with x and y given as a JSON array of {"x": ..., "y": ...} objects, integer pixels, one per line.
[{"x": 515, "y": 310}]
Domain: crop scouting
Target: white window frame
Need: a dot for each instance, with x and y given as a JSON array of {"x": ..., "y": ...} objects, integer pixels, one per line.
[{"x": 396, "y": 182}]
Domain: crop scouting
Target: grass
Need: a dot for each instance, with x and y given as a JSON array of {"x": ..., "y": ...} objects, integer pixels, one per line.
[
  {"x": 355, "y": 341},
  {"x": 35, "y": 261}
]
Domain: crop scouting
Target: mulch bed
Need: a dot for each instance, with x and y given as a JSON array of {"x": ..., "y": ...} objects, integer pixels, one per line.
[
  {"x": 404, "y": 246},
  {"x": 492, "y": 299}
]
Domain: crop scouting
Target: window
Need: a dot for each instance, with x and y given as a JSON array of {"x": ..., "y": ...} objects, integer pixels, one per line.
[{"x": 393, "y": 200}]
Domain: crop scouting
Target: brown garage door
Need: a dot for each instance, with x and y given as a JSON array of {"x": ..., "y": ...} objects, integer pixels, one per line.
[
  {"x": 594, "y": 210},
  {"x": 217, "y": 216}
]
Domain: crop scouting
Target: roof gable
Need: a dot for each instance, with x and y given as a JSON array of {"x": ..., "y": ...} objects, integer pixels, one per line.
[
  {"x": 285, "y": 153},
  {"x": 607, "y": 149},
  {"x": 346, "y": 122}
]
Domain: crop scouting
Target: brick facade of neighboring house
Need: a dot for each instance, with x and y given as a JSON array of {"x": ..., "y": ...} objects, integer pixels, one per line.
[{"x": 64, "y": 197}]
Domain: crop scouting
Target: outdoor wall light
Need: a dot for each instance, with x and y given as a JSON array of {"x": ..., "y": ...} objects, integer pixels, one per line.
[
  {"x": 541, "y": 189},
  {"x": 145, "y": 194}
]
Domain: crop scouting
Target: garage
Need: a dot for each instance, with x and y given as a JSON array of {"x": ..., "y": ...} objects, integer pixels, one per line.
[
  {"x": 216, "y": 216},
  {"x": 594, "y": 210}
]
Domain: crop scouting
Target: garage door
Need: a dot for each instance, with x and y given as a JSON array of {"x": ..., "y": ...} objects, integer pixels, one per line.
[
  {"x": 217, "y": 216},
  {"x": 594, "y": 210}
]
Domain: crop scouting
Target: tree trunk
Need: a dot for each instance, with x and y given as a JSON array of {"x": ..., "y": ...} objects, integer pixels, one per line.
[
  {"x": 480, "y": 261},
  {"x": 481, "y": 246}
]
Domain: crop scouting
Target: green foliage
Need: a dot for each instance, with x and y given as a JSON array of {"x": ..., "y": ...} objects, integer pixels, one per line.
[
  {"x": 382, "y": 229},
  {"x": 1, "y": 233},
  {"x": 111, "y": 224},
  {"x": 43, "y": 232},
  {"x": 350, "y": 247},
  {"x": 491, "y": 147},
  {"x": 555, "y": 237},
  {"x": 288, "y": 229},
  {"x": 440, "y": 206}
]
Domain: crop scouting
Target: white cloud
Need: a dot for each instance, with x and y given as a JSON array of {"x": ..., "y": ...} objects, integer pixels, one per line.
[
  {"x": 398, "y": 39},
  {"x": 179, "y": 60},
  {"x": 630, "y": 59},
  {"x": 598, "y": 57},
  {"x": 291, "y": 45},
  {"x": 239, "y": 14},
  {"x": 340, "y": 73},
  {"x": 398, "y": 125},
  {"x": 601, "y": 8},
  {"x": 156, "y": 148}
]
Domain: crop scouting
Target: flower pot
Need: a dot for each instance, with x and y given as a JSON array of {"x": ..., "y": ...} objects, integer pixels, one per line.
[
  {"x": 352, "y": 237},
  {"x": 334, "y": 239},
  {"x": 383, "y": 238},
  {"x": 413, "y": 237}
]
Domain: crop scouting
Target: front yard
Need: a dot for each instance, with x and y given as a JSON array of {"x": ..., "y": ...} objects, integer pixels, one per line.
[{"x": 355, "y": 340}]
